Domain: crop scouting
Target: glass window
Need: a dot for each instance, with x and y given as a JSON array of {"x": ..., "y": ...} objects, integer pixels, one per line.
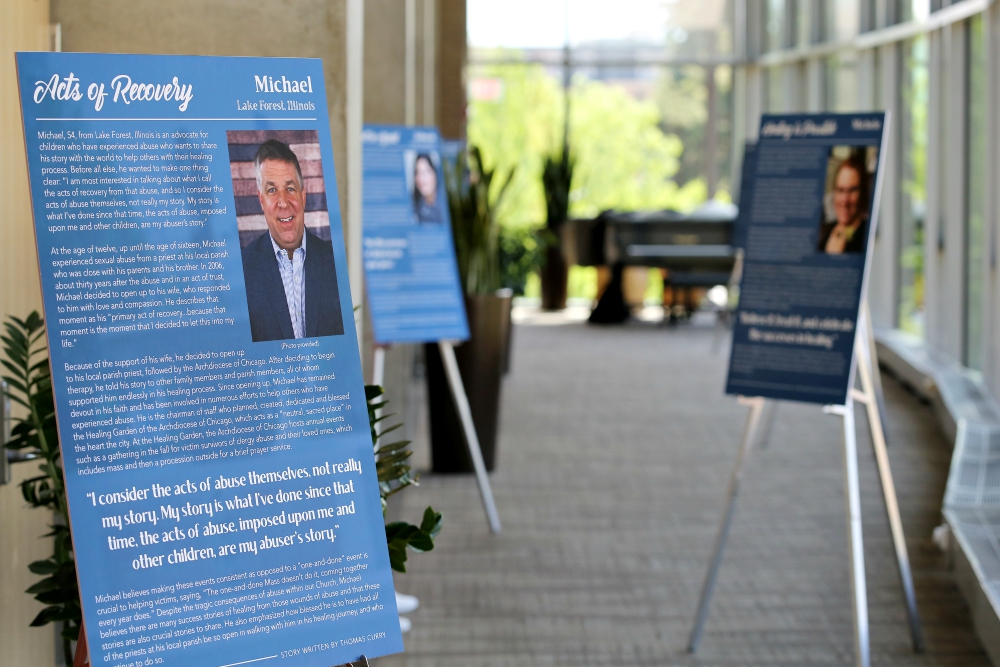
[
  {"x": 641, "y": 128},
  {"x": 774, "y": 90},
  {"x": 804, "y": 18},
  {"x": 975, "y": 237},
  {"x": 635, "y": 28},
  {"x": 774, "y": 26},
  {"x": 696, "y": 29},
  {"x": 843, "y": 18},
  {"x": 913, "y": 202},
  {"x": 920, "y": 9},
  {"x": 899, "y": 11},
  {"x": 516, "y": 24},
  {"x": 841, "y": 82}
]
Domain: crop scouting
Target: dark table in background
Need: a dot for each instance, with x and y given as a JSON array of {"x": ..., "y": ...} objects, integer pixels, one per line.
[{"x": 696, "y": 249}]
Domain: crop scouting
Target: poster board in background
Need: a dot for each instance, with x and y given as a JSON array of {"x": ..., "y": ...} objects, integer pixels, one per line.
[
  {"x": 745, "y": 202},
  {"x": 808, "y": 241},
  {"x": 411, "y": 273},
  {"x": 222, "y": 492},
  {"x": 451, "y": 150}
]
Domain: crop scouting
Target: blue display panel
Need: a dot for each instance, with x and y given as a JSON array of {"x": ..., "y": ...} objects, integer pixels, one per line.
[
  {"x": 210, "y": 402},
  {"x": 808, "y": 233},
  {"x": 410, "y": 270}
]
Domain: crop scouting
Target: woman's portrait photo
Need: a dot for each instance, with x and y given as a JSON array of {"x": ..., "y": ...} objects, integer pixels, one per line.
[
  {"x": 847, "y": 199},
  {"x": 423, "y": 178}
]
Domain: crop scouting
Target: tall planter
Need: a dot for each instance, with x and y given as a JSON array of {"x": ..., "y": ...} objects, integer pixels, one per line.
[
  {"x": 480, "y": 361},
  {"x": 554, "y": 276},
  {"x": 557, "y": 180}
]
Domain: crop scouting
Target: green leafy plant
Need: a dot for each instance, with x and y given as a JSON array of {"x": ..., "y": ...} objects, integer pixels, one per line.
[
  {"x": 557, "y": 178},
  {"x": 474, "y": 221},
  {"x": 520, "y": 255},
  {"x": 34, "y": 438},
  {"x": 394, "y": 474}
]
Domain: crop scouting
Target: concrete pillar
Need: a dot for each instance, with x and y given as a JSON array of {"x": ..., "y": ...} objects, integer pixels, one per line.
[
  {"x": 24, "y": 26},
  {"x": 933, "y": 233},
  {"x": 451, "y": 54},
  {"x": 403, "y": 74},
  {"x": 428, "y": 78},
  {"x": 385, "y": 62},
  {"x": 711, "y": 133},
  {"x": 815, "y": 86},
  {"x": 304, "y": 28},
  {"x": 946, "y": 160},
  {"x": 991, "y": 289},
  {"x": 354, "y": 67}
]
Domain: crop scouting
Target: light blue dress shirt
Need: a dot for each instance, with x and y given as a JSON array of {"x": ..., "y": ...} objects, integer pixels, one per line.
[{"x": 293, "y": 277}]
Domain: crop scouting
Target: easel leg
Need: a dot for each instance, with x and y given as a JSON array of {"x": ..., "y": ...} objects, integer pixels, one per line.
[
  {"x": 378, "y": 378},
  {"x": 746, "y": 445},
  {"x": 82, "y": 657},
  {"x": 869, "y": 333},
  {"x": 721, "y": 327},
  {"x": 866, "y": 369},
  {"x": 724, "y": 320},
  {"x": 471, "y": 439},
  {"x": 767, "y": 423},
  {"x": 378, "y": 366},
  {"x": 852, "y": 491},
  {"x": 378, "y": 373}
]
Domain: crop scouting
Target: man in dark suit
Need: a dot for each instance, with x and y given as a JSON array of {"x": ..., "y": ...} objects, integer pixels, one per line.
[{"x": 290, "y": 275}]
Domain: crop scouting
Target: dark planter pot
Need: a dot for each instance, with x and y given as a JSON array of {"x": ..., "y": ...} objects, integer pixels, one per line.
[
  {"x": 554, "y": 276},
  {"x": 480, "y": 361}
]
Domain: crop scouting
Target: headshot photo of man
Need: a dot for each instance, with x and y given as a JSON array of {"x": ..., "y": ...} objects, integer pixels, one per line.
[
  {"x": 291, "y": 278},
  {"x": 845, "y": 220}
]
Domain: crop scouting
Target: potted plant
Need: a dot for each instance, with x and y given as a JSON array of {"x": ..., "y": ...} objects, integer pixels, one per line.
[
  {"x": 34, "y": 437},
  {"x": 557, "y": 178},
  {"x": 392, "y": 463},
  {"x": 473, "y": 198}
]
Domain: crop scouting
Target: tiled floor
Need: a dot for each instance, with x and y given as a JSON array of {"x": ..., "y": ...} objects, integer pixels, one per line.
[{"x": 616, "y": 448}]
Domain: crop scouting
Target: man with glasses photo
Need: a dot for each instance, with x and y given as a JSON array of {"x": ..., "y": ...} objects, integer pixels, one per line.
[{"x": 845, "y": 233}]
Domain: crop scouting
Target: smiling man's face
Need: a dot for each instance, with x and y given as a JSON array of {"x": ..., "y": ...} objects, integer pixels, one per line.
[{"x": 284, "y": 202}]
